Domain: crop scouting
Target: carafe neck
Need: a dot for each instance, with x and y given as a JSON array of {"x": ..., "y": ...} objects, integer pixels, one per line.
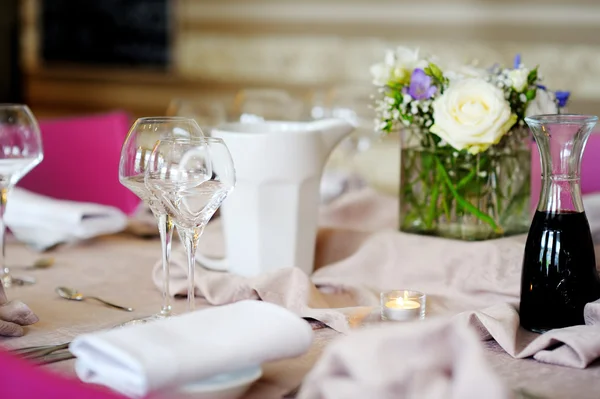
[{"x": 561, "y": 141}]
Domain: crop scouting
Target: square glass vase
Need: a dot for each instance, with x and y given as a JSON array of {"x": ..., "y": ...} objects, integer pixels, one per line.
[{"x": 455, "y": 194}]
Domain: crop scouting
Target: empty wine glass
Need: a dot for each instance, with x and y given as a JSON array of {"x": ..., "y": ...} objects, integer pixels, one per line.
[
  {"x": 207, "y": 113},
  {"x": 21, "y": 151},
  {"x": 138, "y": 145},
  {"x": 191, "y": 178}
]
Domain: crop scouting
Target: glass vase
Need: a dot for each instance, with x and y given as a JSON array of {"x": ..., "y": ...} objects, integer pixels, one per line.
[{"x": 455, "y": 194}]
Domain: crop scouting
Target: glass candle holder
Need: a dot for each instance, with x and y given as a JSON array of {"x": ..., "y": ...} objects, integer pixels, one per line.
[{"x": 402, "y": 305}]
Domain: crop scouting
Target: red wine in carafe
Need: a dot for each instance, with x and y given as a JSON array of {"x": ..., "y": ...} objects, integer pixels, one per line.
[{"x": 559, "y": 271}]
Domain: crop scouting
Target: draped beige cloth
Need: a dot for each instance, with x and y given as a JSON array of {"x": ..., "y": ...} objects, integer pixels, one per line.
[{"x": 119, "y": 269}]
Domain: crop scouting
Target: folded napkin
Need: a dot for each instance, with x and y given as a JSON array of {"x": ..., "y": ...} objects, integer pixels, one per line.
[
  {"x": 432, "y": 359},
  {"x": 168, "y": 353},
  {"x": 456, "y": 276},
  {"x": 359, "y": 253},
  {"x": 575, "y": 346},
  {"x": 43, "y": 222}
]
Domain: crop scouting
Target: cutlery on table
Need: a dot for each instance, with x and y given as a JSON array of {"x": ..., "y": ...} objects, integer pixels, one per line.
[
  {"x": 42, "y": 263},
  {"x": 53, "y": 358},
  {"x": 39, "y": 264},
  {"x": 38, "y": 352},
  {"x": 39, "y": 348},
  {"x": 74, "y": 295}
]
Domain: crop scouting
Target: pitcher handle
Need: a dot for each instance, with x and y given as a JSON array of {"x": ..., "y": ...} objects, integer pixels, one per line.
[{"x": 218, "y": 265}]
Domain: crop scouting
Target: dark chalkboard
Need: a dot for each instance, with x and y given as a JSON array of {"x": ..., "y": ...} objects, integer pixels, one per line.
[{"x": 106, "y": 32}]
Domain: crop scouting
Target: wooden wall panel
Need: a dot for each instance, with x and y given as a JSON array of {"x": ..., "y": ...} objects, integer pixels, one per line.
[{"x": 303, "y": 45}]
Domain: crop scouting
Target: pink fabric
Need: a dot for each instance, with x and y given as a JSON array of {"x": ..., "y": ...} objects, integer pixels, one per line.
[
  {"x": 81, "y": 161},
  {"x": 19, "y": 379},
  {"x": 590, "y": 169}
]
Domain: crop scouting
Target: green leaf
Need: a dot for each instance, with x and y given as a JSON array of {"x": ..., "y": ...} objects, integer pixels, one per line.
[
  {"x": 533, "y": 76},
  {"x": 530, "y": 94},
  {"x": 435, "y": 72},
  {"x": 466, "y": 205}
]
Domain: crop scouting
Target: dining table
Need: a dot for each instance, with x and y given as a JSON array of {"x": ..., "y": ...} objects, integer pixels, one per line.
[{"x": 118, "y": 268}]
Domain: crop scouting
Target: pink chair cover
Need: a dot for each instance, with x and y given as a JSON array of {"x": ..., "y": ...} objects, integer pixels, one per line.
[
  {"x": 81, "y": 161},
  {"x": 20, "y": 379},
  {"x": 590, "y": 169}
]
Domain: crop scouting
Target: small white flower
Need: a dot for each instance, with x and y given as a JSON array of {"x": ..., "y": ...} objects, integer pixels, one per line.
[
  {"x": 523, "y": 97},
  {"x": 518, "y": 78},
  {"x": 409, "y": 59},
  {"x": 381, "y": 74}
]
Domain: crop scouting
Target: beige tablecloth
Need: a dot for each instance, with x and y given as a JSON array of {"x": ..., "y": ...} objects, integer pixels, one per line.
[{"x": 119, "y": 268}]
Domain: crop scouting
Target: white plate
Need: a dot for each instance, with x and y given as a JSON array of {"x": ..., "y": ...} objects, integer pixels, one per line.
[{"x": 223, "y": 386}]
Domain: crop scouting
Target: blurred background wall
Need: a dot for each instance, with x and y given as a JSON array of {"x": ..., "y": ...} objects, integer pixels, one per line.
[{"x": 214, "y": 48}]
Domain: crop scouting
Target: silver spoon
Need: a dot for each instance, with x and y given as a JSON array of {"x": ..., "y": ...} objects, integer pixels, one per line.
[
  {"x": 72, "y": 294},
  {"x": 42, "y": 263}
]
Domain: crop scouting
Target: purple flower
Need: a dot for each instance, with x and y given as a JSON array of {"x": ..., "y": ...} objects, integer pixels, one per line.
[
  {"x": 517, "y": 61},
  {"x": 542, "y": 87},
  {"x": 562, "y": 97},
  {"x": 420, "y": 85}
]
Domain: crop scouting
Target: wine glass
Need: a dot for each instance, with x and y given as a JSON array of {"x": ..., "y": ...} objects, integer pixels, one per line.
[
  {"x": 191, "y": 178},
  {"x": 21, "y": 151},
  {"x": 207, "y": 113},
  {"x": 138, "y": 145}
]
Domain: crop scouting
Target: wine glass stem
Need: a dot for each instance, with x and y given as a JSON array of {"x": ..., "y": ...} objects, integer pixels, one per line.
[
  {"x": 165, "y": 228},
  {"x": 190, "y": 241},
  {"x": 5, "y": 278}
]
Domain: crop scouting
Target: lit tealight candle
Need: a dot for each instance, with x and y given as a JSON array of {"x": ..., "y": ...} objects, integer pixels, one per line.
[{"x": 402, "y": 305}]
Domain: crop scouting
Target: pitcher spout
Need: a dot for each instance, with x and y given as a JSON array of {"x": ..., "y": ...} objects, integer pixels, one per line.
[{"x": 332, "y": 131}]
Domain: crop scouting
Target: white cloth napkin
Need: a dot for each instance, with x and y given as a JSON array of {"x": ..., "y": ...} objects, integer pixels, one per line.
[
  {"x": 431, "y": 359},
  {"x": 168, "y": 353},
  {"x": 43, "y": 222}
]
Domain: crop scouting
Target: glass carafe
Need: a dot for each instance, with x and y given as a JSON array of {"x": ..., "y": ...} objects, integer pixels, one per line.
[{"x": 559, "y": 267}]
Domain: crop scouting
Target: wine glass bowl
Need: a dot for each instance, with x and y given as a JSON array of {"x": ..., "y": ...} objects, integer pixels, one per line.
[
  {"x": 191, "y": 179},
  {"x": 20, "y": 151},
  {"x": 135, "y": 156}
]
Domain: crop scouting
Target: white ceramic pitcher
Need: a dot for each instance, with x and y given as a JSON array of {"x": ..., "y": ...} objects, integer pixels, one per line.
[{"x": 270, "y": 218}]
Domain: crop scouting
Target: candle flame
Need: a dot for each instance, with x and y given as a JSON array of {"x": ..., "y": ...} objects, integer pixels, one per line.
[{"x": 400, "y": 301}]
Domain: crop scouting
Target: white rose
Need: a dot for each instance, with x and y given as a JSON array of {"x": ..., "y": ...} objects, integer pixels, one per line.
[
  {"x": 543, "y": 103},
  {"x": 472, "y": 114},
  {"x": 518, "y": 78}
]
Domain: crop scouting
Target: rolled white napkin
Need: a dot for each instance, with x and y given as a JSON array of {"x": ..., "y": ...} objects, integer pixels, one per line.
[
  {"x": 43, "y": 222},
  {"x": 168, "y": 353}
]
